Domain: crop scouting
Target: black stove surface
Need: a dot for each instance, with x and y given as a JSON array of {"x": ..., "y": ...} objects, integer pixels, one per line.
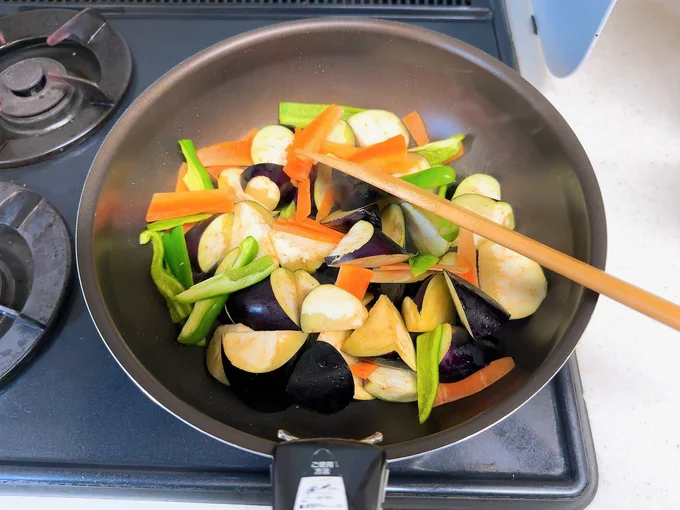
[{"x": 73, "y": 422}]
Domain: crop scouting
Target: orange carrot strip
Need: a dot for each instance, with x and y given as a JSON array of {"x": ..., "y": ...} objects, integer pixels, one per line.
[
  {"x": 448, "y": 392},
  {"x": 395, "y": 267},
  {"x": 363, "y": 370},
  {"x": 354, "y": 279},
  {"x": 188, "y": 226},
  {"x": 327, "y": 201},
  {"x": 298, "y": 229},
  {"x": 415, "y": 125},
  {"x": 184, "y": 203},
  {"x": 180, "y": 185},
  {"x": 298, "y": 167},
  {"x": 460, "y": 154},
  {"x": 395, "y": 146},
  {"x": 467, "y": 255},
  {"x": 304, "y": 200},
  {"x": 318, "y": 227},
  {"x": 228, "y": 153},
  {"x": 339, "y": 149}
]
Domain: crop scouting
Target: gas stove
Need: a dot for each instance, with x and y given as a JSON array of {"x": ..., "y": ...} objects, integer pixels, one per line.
[{"x": 71, "y": 422}]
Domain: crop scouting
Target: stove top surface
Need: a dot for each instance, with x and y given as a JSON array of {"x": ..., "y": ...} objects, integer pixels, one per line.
[{"x": 71, "y": 420}]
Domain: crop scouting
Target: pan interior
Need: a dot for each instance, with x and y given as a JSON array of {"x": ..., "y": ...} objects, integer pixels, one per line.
[{"x": 230, "y": 91}]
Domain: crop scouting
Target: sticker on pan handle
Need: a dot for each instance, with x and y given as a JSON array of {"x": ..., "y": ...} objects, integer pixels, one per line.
[{"x": 321, "y": 493}]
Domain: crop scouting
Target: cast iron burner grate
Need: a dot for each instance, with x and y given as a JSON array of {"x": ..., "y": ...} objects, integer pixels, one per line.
[
  {"x": 35, "y": 268},
  {"x": 61, "y": 76}
]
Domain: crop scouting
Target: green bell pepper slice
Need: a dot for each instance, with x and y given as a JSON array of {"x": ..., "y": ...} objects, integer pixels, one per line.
[
  {"x": 288, "y": 211},
  {"x": 440, "y": 152},
  {"x": 177, "y": 256},
  {"x": 197, "y": 177},
  {"x": 165, "y": 282},
  {"x": 422, "y": 263},
  {"x": 434, "y": 177},
  {"x": 427, "y": 363},
  {"x": 301, "y": 114},
  {"x": 171, "y": 223}
]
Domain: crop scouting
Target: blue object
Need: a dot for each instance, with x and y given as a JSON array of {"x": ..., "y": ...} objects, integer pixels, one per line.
[{"x": 568, "y": 30}]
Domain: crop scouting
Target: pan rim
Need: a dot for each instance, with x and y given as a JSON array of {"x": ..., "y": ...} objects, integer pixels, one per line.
[{"x": 230, "y": 435}]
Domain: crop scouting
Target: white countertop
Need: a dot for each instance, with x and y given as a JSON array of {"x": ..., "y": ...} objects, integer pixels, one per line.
[{"x": 624, "y": 105}]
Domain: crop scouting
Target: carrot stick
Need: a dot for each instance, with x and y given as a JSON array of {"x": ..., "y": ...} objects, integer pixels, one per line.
[
  {"x": 339, "y": 149},
  {"x": 180, "y": 185},
  {"x": 185, "y": 203},
  {"x": 228, "y": 153},
  {"x": 467, "y": 255},
  {"x": 448, "y": 392},
  {"x": 415, "y": 125},
  {"x": 395, "y": 146},
  {"x": 327, "y": 202},
  {"x": 460, "y": 154},
  {"x": 318, "y": 227},
  {"x": 188, "y": 226},
  {"x": 354, "y": 279},
  {"x": 298, "y": 167},
  {"x": 459, "y": 269},
  {"x": 295, "y": 228},
  {"x": 304, "y": 200},
  {"x": 363, "y": 370}
]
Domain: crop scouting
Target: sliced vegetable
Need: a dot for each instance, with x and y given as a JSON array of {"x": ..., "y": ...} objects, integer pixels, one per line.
[
  {"x": 397, "y": 277},
  {"x": 269, "y": 145},
  {"x": 302, "y": 114},
  {"x": 415, "y": 163},
  {"x": 304, "y": 283},
  {"x": 354, "y": 279},
  {"x": 441, "y": 191},
  {"x": 336, "y": 339},
  {"x": 213, "y": 355},
  {"x": 269, "y": 305},
  {"x": 428, "y": 345},
  {"x": 475, "y": 382},
  {"x": 463, "y": 356},
  {"x": 393, "y": 224},
  {"x": 480, "y": 313},
  {"x": 479, "y": 184},
  {"x": 160, "y": 225},
  {"x": 324, "y": 194},
  {"x": 446, "y": 229},
  {"x": 310, "y": 138},
  {"x": 174, "y": 205},
  {"x": 423, "y": 232},
  {"x": 275, "y": 174},
  {"x": 165, "y": 282},
  {"x": 327, "y": 275},
  {"x": 351, "y": 193},
  {"x": 229, "y": 179},
  {"x": 228, "y": 153},
  {"x": 197, "y": 177},
  {"x": 422, "y": 263},
  {"x": 330, "y": 308},
  {"x": 304, "y": 200},
  {"x": 467, "y": 256},
  {"x": 499, "y": 212},
  {"x": 414, "y": 123},
  {"x": 180, "y": 184},
  {"x": 295, "y": 251},
  {"x": 342, "y": 134},
  {"x": 288, "y": 211},
  {"x": 366, "y": 246},
  {"x": 343, "y": 221},
  {"x": 442, "y": 151},
  {"x": 516, "y": 282},
  {"x": 341, "y": 150},
  {"x": 264, "y": 191},
  {"x": 383, "y": 332},
  {"x": 432, "y": 177},
  {"x": 388, "y": 156},
  {"x": 432, "y": 305},
  {"x": 230, "y": 281},
  {"x": 259, "y": 352},
  {"x": 251, "y": 219},
  {"x": 374, "y": 126},
  {"x": 177, "y": 256},
  {"x": 393, "y": 384},
  {"x": 209, "y": 241},
  {"x": 322, "y": 380}
]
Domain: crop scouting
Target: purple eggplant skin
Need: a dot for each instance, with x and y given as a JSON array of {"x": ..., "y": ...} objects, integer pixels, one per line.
[
  {"x": 351, "y": 193},
  {"x": 322, "y": 380},
  {"x": 257, "y": 307},
  {"x": 345, "y": 221},
  {"x": 420, "y": 295},
  {"x": 276, "y": 174},
  {"x": 327, "y": 274},
  {"x": 263, "y": 392},
  {"x": 379, "y": 245},
  {"x": 465, "y": 356},
  {"x": 193, "y": 238}
]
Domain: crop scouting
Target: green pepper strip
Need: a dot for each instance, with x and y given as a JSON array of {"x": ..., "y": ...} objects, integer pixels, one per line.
[
  {"x": 177, "y": 256},
  {"x": 421, "y": 263},
  {"x": 229, "y": 281},
  {"x": 159, "y": 225},
  {"x": 442, "y": 191},
  {"x": 288, "y": 211},
  {"x": 432, "y": 177},
  {"x": 301, "y": 114},
  {"x": 439, "y": 152},
  {"x": 427, "y": 363},
  {"x": 197, "y": 177},
  {"x": 165, "y": 282},
  {"x": 205, "y": 312}
]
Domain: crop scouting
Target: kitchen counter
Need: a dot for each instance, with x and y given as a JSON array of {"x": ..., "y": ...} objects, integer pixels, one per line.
[{"x": 624, "y": 105}]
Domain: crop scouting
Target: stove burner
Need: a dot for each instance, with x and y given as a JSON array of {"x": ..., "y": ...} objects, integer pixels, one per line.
[
  {"x": 57, "y": 86},
  {"x": 35, "y": 268}
]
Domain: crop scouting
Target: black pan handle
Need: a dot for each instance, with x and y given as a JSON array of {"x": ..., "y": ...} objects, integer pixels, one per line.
[{"x": 329, "y": 474}]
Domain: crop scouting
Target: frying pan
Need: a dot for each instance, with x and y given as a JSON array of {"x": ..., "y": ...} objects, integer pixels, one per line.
[{"x": 235, "y": 85}]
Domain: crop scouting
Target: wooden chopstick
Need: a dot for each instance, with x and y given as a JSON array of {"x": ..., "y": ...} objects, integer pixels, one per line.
[{"x": 590, "y": 277}]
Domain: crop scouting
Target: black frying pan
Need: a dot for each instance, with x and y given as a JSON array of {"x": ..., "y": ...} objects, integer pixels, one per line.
[{"x": 235, "y": 85}]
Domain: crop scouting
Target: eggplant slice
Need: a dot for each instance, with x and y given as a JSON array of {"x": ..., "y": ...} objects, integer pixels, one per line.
[
  {"x": 365, "y": 245},
  {"x": 343, "y": 221},
  {"x": 274, "y": 173}
]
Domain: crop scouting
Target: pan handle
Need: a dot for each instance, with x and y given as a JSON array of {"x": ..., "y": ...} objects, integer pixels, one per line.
[{"x": 330, "y": 474}]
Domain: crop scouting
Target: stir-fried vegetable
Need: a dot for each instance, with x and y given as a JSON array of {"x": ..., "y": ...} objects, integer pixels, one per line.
[{"x": 324, "y": 306}]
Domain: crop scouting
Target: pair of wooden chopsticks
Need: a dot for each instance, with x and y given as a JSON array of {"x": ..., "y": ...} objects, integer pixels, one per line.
[{"x": 590, "y": 277}]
